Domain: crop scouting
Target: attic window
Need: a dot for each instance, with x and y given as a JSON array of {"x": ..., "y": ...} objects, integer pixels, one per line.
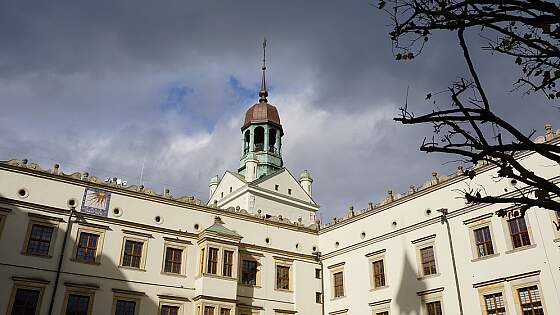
[
  {"x": 222, "y": 194},
  {"x": 276, "y": 187},
  {"x": 289, "y": 191},
  {"x": 230, "y": 189}
]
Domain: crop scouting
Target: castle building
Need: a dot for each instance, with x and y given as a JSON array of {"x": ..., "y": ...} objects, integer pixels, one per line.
[{"x": 75, "y": 244}]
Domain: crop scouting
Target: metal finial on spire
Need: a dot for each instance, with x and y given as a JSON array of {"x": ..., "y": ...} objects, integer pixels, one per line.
[{"x": 263, "y": 93}]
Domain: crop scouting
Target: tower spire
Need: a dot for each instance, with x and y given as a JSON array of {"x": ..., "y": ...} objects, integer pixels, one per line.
[{"x": 263, "y": 93}]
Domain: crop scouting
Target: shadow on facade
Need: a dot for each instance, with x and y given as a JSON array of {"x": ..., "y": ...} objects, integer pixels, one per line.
[
  {"x": 105, "y": 279},
  {"x": 407, "y": 299}
]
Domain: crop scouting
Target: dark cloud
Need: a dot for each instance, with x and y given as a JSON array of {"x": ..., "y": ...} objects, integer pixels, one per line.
[{"x": 120, "y": 87}]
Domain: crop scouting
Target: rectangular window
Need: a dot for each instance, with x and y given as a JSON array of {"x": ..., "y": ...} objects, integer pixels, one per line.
[
  {"x": 77, "y": 304},
  {"x": 228, "y": 264},
  {"x": 212, "y": 266},
  {"x": 132, "y": 254},
  {"x": 87, "y": 247},
  {"x": 249, "y": 272},
  {"x": 483, "y": 241},
  {"x": 428, "y": 261},
  {"x": 25, "y": 302},
  {"x": 379, "y": 273},
  {"x": 338, "y": 284},
  {"x": 495, "y": 304},
  {"x": 317, "y": 273},
  {"x": 225, "y": 311},
  {"x": 318, "y": 297},
  {"x": 518, "y": 232},
  {"x": 209, "y": 310},
  {"x": 434, "y": 308},
  {"x": 530, "y": 300},
  {"x": 125, "y": 307},
  {"x": 169, "y": 310},
  {"x": 282, "y": 277},
  {"x": 201, "y": 260},
  {"x": 382, "y": 313},
  {"x": 39, "y": 240},
  {"x": 173, "y": 260}
]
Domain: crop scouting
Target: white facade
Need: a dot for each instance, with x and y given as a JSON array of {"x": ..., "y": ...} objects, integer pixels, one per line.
[{"x": 256, "y": 248}]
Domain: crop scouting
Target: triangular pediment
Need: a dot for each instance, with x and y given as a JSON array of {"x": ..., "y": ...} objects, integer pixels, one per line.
[{"x": 284, "y": 183}]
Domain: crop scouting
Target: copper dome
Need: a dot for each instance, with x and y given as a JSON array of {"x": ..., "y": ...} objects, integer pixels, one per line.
[{"x": 262, "y": 112}]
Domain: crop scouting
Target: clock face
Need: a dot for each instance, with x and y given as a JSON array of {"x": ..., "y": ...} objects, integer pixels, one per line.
[{"x": 96, "y": 201}]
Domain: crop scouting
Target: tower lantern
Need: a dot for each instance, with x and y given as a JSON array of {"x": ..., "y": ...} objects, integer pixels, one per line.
[{"x": 261, "y": 135}]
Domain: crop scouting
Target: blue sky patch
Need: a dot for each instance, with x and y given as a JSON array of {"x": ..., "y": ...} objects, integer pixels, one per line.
[
  {"x": 176, "y": 98},
  {"x": 240, "y": 90}
]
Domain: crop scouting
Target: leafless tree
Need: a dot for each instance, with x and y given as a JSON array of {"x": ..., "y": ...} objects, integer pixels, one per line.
[{"x": 527, "y": 32}]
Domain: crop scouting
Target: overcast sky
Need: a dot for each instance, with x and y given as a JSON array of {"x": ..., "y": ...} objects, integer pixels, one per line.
[{"x": 110, "y": 86}]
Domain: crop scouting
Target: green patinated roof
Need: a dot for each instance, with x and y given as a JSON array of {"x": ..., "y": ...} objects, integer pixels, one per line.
[{"x": 219, "y": 228}]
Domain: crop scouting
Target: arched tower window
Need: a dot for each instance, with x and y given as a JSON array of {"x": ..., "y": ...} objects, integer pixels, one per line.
[
  {"x": 246, "y": 142},
  {"x": 259, "y": 138},
  {"x": 272, "y": 140}
]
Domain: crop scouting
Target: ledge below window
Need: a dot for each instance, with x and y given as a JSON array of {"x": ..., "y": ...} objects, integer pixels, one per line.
[
  {"x": 519, "y": 249},
  {"x": 485, "y": 257}
]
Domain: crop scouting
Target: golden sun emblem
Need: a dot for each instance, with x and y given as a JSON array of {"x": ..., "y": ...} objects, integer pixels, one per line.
[{"x": 97, "y": 199}]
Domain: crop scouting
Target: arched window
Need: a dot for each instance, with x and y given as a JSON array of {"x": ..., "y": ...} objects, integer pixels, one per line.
[
  {"x": 272, "y": 140},
  {"x": 259, "y": 139},
  {"x": 246, "y": 142}
]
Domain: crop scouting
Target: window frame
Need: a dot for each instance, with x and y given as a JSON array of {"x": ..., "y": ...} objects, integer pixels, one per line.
[
  {"x": 526, "y": 283},
  {"x": 377, "y": 256},
  {"x": 420, "y": 244},
  {"x": 169, "y": 301},
  {"x": 100, "y": 232},
  {"x": 512, "y": 214},
  {"x": 335, "y": 269},
  {"x": 144, "y": 241},
  {"x": 481, "y": 222},
  {"x": 178, "y": 246},
  {"x": 129, "y": 296},
  {"x": 380, "y": 307},
  {"x": 430, "y": 296},
  {"x": 77, "y": 289},
  {"x": 286, "y": 263},
  {"x": 53, "y": 223},
  {"x": 27, "y": 284},
  {"x": 491, "y": 290},
  {"x": 204, "y": 250},
  {"x": 250, "y": 257},
  {"x": 3, "y": 217}
]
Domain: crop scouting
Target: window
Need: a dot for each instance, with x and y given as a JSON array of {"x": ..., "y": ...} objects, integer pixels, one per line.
[
  {"x": 518, "y": 232},
  {"x": 378, "y": 273},
  {"x": 201, "y": 260},
  {"x": 209, "y": 310},
  {"x": 483, "y": 241},
  {"x": 87, "y": 247},
  {"x": 338, "y": 284},
  {"x": 169, "y": 310},
  {"x": 212, "y": 266},
  {"x": 225, "y": 311},
  {"x": 39, "y": 240},
  {"x": 382, "y": 313},
  {"x": 530, "y": 301},
  {"x": 276, "y": 187},
  {"x": 494, "y": 304},
  {"x": 318, "y": 297},
  {"x": 132, "y": 256},
  {"x": 289, "y": 191},
  {"x": 282, "y": 277},
  {"x": 125, "y": 307},
  {"x": 173, "y": 260},
  {"x": 428, "y": 261},
  {"x": 25, "y": 301},
  {"x": 249, "y": 272},
  {"x": 228, "y": 264},
  {"x": 434, "y": 308},
  {"x": 317, "y": 273},
  {"x": 77, "y": 304}
]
